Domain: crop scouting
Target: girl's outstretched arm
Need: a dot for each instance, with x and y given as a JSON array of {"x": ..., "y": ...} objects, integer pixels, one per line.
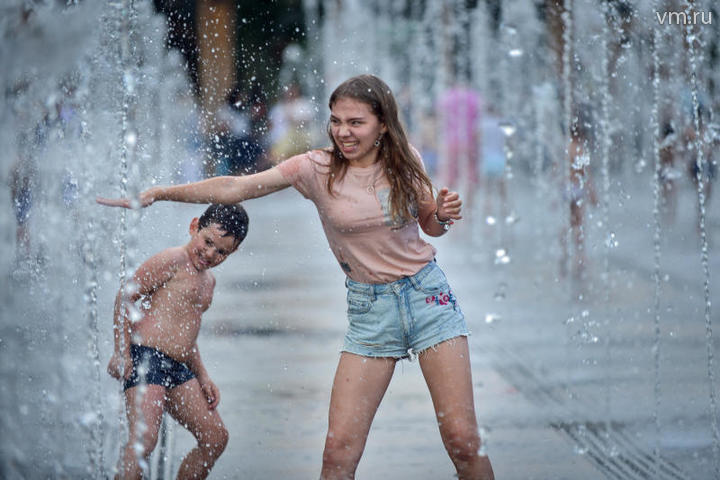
[{"x": 225, "y": 190}]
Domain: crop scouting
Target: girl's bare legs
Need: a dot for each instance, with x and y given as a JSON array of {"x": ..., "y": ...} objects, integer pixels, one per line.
[
  {"x": 189, "y": 406},
  {"x": 446, "y": 368},
  {"x": 359, "y": 386},
  {"x": 141, "y": 440}
]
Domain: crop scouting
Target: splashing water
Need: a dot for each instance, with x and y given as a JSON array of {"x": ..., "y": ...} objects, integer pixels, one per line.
[
  {"x": 657, "y": 236},
  {"x": 691, "y": 38},
  {"x": 67, "y": 116}
]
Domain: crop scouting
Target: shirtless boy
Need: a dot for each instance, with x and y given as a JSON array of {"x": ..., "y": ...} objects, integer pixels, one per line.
[{"x": 157, "y": 356}]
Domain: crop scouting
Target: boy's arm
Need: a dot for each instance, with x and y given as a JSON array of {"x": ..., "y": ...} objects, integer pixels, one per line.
[
  {"x": 150, "y": 276},
  {"x": 212, "y": 393},
  {"x": 224, "y": 190},
  {"x": 120, "y": 365}
]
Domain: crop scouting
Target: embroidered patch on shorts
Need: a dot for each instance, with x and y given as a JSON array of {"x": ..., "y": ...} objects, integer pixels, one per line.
[{"x": 441, "y": 298}]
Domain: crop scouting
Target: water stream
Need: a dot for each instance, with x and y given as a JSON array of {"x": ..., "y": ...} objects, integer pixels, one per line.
[
  {"x": 694, "y": 41},
  {"x": 97, "y": 105}
]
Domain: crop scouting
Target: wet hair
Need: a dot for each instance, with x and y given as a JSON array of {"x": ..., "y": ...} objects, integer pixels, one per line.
[
  {"x": 408, "y": 181},
  {"x": 231, "y": 218}
]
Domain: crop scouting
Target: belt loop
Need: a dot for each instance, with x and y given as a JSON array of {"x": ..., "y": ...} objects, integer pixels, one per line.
[{"x": 414, "y": 282}]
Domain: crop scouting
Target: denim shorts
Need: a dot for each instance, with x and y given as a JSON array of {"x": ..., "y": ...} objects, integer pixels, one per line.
[{"x": 404, "y": 317}]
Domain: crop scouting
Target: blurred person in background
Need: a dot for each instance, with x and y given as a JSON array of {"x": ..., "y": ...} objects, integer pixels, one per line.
[
  {"x": 458, "y": 114},
  {"x": 492, "y": 158},
  {"x": 238, "y": 147},
  {"x": 22, "y": 183},
  {"x": 289, "y": 119},
  {"x": 578, "y": 192}
]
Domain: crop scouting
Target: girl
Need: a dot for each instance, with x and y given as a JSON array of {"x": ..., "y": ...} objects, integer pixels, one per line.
[{"x": 371, "y": 192}]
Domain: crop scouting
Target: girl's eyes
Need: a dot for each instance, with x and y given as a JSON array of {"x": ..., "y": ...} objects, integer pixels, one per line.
[{"x": 334, "y": 121}]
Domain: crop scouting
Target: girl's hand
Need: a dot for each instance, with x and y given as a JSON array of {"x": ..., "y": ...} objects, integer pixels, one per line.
[
  {"x": 448, "y": 205},
  {"x": 144, "y": 199},
  {"x": 211, "y": 393}
]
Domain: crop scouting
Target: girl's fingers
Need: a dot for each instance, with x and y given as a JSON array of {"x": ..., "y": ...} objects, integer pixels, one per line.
[{"x": 113, "y": 202}]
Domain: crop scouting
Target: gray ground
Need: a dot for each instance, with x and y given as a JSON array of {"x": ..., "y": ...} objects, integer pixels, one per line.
[
  {"x": 564, "y": 389},
  {"x": 544, "y": 396}
]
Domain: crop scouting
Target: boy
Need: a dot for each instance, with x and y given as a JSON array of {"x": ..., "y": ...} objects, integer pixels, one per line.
[{"x": 159, "y": 352}]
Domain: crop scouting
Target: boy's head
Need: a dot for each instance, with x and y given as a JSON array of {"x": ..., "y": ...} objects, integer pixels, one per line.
[
  {"x": 231, "y": 218},
  {"x": 216, "y": 234}
]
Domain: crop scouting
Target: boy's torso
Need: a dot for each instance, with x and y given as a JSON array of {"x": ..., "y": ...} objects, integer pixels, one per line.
[{"x": 173, "y": 313}]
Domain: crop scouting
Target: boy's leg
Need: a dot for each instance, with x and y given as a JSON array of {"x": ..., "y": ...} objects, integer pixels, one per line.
[
  {"x": 359, "y": 386},
  {"x": 188, "y": 405},
  {"x": 446, "y": 369},
  {"x": 144, "y": 412}
]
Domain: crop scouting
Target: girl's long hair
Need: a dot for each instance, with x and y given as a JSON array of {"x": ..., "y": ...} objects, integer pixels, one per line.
[{"x": 409, "y": 184}]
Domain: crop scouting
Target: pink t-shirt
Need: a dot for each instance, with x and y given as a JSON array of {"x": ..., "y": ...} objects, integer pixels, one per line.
[{"x": 370, "y": 246}]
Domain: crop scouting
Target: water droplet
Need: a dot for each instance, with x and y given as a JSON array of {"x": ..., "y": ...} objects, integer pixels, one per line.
[
  {"x": 508, "y": 128},
  {"x": 88, "y": 418},
  {"x": 500, "y": 292},
  {"x": 484, "y": 433},
  {"x": 581, "y": 161},
  {"x": 501, "y": 257},
  {"x": 135, "y": 315},
  {"x": 130, "y": 138},
  {"x": 516, "y": 52},
  {"x": 509, "y": 29},
  {"x": 490, "y": 220}
]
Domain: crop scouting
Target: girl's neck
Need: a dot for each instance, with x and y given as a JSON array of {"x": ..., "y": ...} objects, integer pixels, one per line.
[{"x": 365, "y": 162}]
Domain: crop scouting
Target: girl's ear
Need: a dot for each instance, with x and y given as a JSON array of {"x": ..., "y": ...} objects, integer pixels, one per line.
[
  {"x": 194, "y": 226},
  {"x": 383, "y": 128}
]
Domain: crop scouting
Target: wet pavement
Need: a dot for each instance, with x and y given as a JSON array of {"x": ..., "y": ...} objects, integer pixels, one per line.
[
  {"x": 564, "y": 387},
  {"x": 564, "y": 371}
]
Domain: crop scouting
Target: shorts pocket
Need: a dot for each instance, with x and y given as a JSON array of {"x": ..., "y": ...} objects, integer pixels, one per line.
[
  {"x": 358, "y": 303},
  {"x": 434, "y": 282}
]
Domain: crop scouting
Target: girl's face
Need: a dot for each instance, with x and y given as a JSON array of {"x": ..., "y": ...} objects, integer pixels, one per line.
[{"x": 354, "y": 127}]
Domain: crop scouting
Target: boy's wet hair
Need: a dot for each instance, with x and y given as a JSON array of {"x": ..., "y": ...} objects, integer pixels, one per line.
[{"x": 231, "y": 218}]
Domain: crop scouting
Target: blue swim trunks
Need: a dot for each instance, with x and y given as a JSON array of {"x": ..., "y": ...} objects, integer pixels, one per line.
[
  {"x": 151, "y": 366},
  {"x": 404, "y": 317}
]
